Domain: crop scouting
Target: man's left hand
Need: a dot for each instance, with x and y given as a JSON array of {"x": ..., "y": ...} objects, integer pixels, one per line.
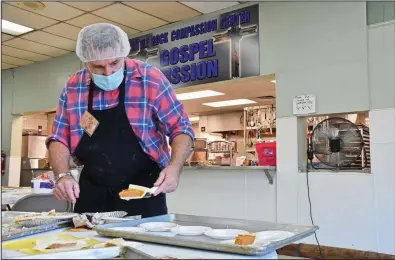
[{"x": 168, "y": 179}]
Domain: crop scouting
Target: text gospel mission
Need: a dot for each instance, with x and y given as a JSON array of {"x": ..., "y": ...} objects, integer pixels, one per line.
[{"x": 205, "y": 49}]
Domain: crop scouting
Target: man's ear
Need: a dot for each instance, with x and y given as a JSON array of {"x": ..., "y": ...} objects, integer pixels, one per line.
[{"x": 87, "y": 67}]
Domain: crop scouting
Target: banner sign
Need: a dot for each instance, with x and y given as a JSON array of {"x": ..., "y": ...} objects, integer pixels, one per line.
[{"x": 204, "y": 51}]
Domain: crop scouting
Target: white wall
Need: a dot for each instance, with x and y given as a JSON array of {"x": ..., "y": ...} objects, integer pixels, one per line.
[
  {"x": 316, "y": 48},
  {"x": 381, "y": 44},
  {"x": 342, "y": 203},
  {"x": 331, "y": 59},
  {"x": 321, "y": 48},
  {"x": 37, "y": 86},
  {"x": 243, "y": 194}
]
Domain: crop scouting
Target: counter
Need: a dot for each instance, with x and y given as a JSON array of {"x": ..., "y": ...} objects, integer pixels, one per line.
[
  {"x": 239, "y": 168},
  {"x": 269, "y": 171},
  {"x": 224, "y": 191}
]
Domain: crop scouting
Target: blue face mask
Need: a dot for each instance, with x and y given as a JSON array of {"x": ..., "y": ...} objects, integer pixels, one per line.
[{"x": 111, "y": 82}]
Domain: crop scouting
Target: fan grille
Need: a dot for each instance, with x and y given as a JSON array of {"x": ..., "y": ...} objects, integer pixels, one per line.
[{"x": 337, "y": 142}]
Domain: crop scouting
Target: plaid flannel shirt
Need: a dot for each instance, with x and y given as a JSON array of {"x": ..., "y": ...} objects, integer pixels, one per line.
[{"x": 150, "y": 103}]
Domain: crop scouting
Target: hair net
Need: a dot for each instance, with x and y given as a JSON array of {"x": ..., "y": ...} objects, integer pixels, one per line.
[{"x": 102, "y": 41}]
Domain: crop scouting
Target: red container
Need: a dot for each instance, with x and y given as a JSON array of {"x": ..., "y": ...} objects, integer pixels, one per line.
[{"x": 267, "y": 154}]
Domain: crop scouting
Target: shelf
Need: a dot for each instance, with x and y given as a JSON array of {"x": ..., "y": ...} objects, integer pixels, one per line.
[{"x": 269, "y": 176}]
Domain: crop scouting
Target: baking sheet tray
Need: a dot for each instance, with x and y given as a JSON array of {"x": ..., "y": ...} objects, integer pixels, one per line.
[
  {"x": 100, "y": 253},
  {"x": 28, "y": 231},
  {"x": 207, "y": 243},
  {"x": 8, "y": 217}
]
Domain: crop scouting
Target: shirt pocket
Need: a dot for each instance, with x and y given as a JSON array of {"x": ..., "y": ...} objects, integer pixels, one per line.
[{"x": 139, "y": 112}]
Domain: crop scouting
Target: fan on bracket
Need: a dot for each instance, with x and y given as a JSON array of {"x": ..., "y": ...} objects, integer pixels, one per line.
[{"x": 336, "y": 142}]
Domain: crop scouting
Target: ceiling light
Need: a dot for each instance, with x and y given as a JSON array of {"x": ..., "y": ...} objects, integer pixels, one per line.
[
  {"x": 273, "y": 81},
  {"x": 198, "y": 94},
  {"x": 228, "y": 103},
  {"x": 32, "y": 5},
  {"x": 14, "y": 28},
  {"x": 194, "y": 119}
]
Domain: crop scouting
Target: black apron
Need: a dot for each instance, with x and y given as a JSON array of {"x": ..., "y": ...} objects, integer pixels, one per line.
[{"x": 113, "y": 159}]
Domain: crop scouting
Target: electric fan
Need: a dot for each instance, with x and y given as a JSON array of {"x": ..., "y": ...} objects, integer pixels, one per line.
[{"x": 336, "y": 142}]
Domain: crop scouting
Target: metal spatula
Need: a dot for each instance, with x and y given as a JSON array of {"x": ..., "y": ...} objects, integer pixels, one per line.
[{"x": 150, "y": 193}]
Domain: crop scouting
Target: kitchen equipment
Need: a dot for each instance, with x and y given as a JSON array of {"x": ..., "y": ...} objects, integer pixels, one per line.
[
  {"x": 336, "y": 142},
  {"x": 221, "y": 147},
  {"x": 199, "y": 155},
  {"x": 10, "y": 230},
  {"x": 33, "y": 146},
  {"x": 200, "y": 143},
  {"x": 205, "y": 242}
]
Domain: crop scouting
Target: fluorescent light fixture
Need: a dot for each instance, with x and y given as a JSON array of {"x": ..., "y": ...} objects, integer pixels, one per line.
[
  {"x": 14, "y": 28},
  {"x": 198, "y": 94},
  {"x": 274, "y": 81},
  {"x": 228, "y": 103},
  {"x": 194, "y": 119}
]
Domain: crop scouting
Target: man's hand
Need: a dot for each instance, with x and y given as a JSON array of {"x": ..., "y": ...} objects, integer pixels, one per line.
[
  {"x": 168, "y": 179},
  {"x": 67, "y": 189}
]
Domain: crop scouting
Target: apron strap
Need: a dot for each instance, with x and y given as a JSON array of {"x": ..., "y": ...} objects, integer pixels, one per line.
[{"x": 121, "y": 95}]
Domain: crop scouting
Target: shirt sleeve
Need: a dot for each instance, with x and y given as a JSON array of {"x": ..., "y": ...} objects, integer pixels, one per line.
[
  {"x": 170, "y": 111},
  {"x": 60, "y": 127}
]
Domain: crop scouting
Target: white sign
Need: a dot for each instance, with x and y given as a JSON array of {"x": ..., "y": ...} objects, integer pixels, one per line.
[{"x": 304, "y": 105}]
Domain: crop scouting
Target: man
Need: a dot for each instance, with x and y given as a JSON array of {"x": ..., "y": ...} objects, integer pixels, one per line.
[{"x": 113, "y": 117}]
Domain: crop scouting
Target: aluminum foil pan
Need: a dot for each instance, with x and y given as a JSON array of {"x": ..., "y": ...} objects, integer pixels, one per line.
[
  {"x": 113, "y": 214},
  {"x": 37, "y": 222}
]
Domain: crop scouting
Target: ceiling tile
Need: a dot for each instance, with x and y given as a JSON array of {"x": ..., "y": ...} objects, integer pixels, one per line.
[
  {"x": 14, "y": 61},
  {"x": 5, "y": 66},
  {"x": 6, "y": 37},
  {"x": 130, "y": 17},
  {"x": 23, "y": 17},
  {"x": 65, "y": 30},
  {"x": 88, "y": 6},
  {"x": 50, "y": 39},
  {"x": 88, "y": 19},
  {"x": 23, "y": 54},
  {"x": 54, "y": 10},
  {"x": 35, "y": 47},
  {"x": 168, "y": 11},
  {"x": 209, "y": 7}
]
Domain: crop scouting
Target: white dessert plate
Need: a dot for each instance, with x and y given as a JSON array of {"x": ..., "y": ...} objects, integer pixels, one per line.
[
  {"x": 190, "y": 230},
  {"x": 224, "y": 233},
  {"x": 130, "y": 229},
  {"x": 273, "y": 235},
  {"x": 158, "y": 226}
]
